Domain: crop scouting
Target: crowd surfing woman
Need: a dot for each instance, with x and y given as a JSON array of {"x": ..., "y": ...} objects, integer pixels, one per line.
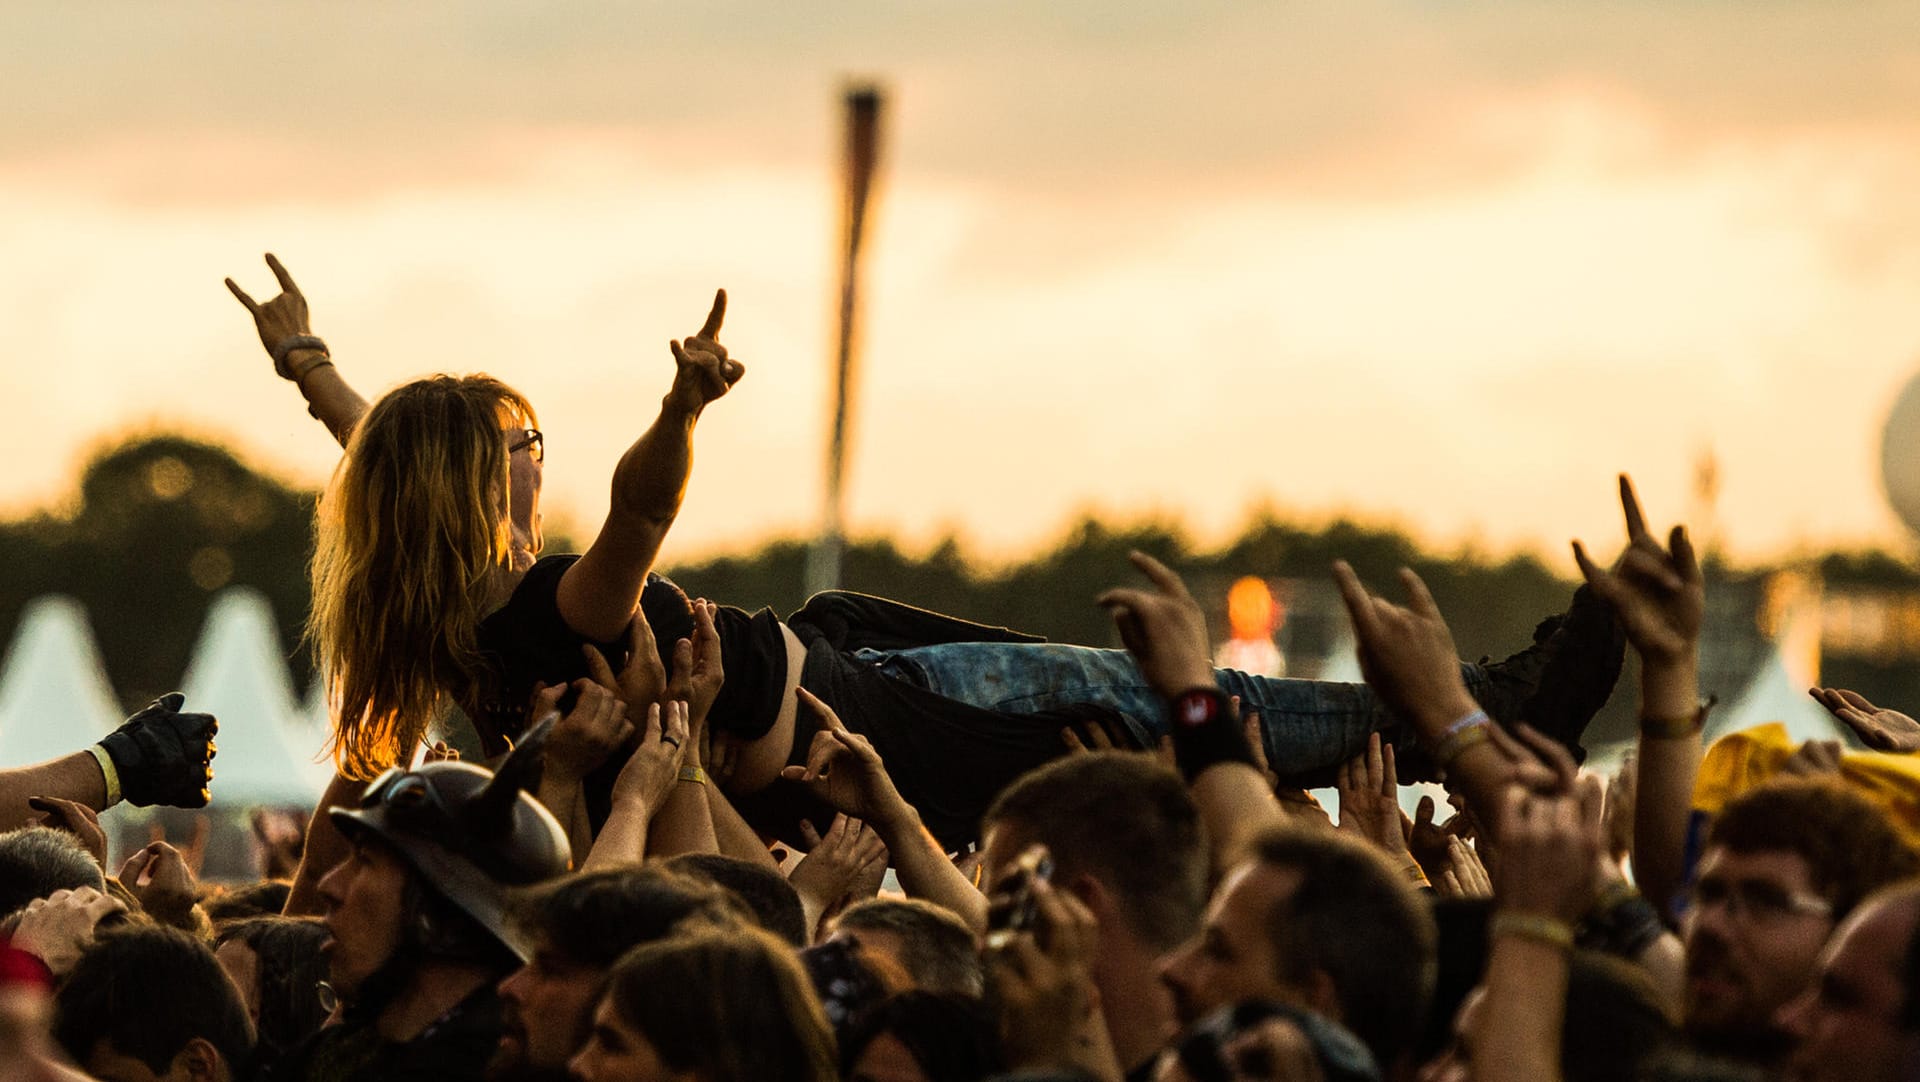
[{"x": 429, "y": 591}]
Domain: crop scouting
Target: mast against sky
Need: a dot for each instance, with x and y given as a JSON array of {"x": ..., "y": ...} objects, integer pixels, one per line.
[{"x": 863, "y": 104}]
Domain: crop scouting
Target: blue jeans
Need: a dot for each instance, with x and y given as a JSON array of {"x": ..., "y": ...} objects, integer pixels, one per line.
[{"x": 1308, "y": 725}]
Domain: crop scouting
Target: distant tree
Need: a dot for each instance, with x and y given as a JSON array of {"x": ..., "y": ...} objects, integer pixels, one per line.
[{"x": 163, "y": 522}]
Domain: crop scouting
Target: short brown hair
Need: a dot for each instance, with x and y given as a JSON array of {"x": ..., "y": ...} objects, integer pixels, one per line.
[
  {"x": 937, "y": 947},
  {"x": 1359, "y": 922},
  {"x": 1850, "y": 848},
  {"x": 1126, "y": 820}
]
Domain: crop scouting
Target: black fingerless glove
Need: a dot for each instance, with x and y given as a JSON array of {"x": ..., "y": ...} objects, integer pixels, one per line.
[{"x": 164, "y": 756}]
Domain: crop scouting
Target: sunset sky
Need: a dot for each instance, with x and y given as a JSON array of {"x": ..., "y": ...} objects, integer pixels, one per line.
[{"x": 1444, "y": 265}]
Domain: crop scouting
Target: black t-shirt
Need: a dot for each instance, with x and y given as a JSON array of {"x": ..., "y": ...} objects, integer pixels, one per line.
[
  {"x": 528, "y": 642},
  {"x": 455, "y": 1048}
]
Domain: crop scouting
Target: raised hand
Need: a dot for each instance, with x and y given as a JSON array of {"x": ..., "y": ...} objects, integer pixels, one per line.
[
  {"x": 158, "y": 875},
  {"x": 1163, "y": 628},
  {"x": 1042, "y": 981},
  {"x": 1369, "y": 791},
  {"x": 844, "y": 770},
  {"x": 838, "y": 866},
  {"x": 1658, "y": 592},
  {"x": 76, "y": 819},
  {"x": 654, "y": 766},
  {"x": 1549, "y": 851},
  {"x": 1406, "y": 652},
  {"x": 590, "y": 732},
  {"x": 704, "y": 371},
  {"x": 58, "y": 929},
  {"x": 1464, "y": 875},
  {"x": 280, "y": 321},
  {"x": 1881, "y": 730},
  {"x": 642, "y": 681},
  {"x": 165, "y": 756}
]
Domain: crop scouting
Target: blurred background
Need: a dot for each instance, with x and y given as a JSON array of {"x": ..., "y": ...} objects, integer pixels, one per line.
[{"x": 1247, "y": 285}]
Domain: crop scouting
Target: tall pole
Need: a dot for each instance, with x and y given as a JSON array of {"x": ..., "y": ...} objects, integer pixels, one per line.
[{"x": 863, "y": 105}]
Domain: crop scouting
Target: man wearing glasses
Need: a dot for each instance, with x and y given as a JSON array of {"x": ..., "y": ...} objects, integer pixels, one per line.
[{"x": 1782, "y": 866}]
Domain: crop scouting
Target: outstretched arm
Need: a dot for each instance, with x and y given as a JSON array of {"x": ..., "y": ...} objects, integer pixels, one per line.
[
  {"x": 1660, "y": 596},
  {"x": 287, "y": 333},
  {"x": 1166, "y": 633},
  {"x": 597, "y": 594},
  {"x": 845, "y": 771}
]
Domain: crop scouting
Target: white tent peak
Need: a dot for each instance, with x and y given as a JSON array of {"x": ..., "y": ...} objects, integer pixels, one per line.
[
  {"x": 54, "y": 694},
  {"x": 238, "y": 674}
]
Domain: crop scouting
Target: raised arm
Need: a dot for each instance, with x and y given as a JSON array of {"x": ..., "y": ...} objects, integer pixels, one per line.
[
  {"x": 597, "y": 594},
  {"x": 1660, "y": 597},
  {"x": 1408, "y": 657},
  {"x": 159, "y": 756},
  {"x": 845, "y": 771},
  {"x": 287, "y": 334},
  {"x": 1165, "y": 631}
]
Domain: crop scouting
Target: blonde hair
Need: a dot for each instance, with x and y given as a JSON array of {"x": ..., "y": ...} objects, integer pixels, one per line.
[{"x": 409, "y": 533}]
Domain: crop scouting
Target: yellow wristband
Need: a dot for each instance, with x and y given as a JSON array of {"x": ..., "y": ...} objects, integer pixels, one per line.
[
  {"x": 109, "y": 772},
  {"x": 1554, "y": 933},
  {"x": 1415, "y": 873},
  {"x": 693, "y": 774}
]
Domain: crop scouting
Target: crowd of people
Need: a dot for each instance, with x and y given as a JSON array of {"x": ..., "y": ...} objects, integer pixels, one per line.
[{"x": 584, "y": 826}]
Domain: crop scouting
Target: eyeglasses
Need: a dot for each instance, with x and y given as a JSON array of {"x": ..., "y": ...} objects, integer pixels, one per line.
[
  {"x": 529, "y": 438},
  {"x": 1756, "y": 900}
]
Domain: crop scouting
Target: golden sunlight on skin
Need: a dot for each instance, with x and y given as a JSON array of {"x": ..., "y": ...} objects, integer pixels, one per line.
[{"x": 1466, "y": 328}]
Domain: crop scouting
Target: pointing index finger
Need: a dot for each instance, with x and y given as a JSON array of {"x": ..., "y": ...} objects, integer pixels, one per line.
[
  {"x": 1161, "y": 575},
  {"x": 710, "y": 330}
]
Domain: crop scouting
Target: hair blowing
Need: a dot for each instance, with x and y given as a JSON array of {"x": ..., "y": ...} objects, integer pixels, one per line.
[{"x": 409, "y": 531}]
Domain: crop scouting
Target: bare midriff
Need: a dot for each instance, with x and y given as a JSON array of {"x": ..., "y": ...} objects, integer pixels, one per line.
[{"x": 762, "y": 758}]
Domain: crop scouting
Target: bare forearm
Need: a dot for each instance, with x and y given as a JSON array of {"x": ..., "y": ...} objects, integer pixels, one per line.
[
  {"x": 622, "y": 839},
  {"x": 1525, "y": 1009},
  {"x": 72, "y": 777},
  {"x": 924, "y": 870},
  {"x": 1668, "y": 766},
  {"x": 330, "y": 398},
  {"x": 736, "y": 838},
  {"x": 1234, "y": 803},
  {"x": 684, "y": 824}
]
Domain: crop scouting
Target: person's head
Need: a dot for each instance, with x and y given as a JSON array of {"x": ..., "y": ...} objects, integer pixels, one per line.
[
  {"x": 434, "y": 853},
  {"x": 1316, "y": 920},
  {"x": 1860, "y": 1020},
  {"x": 36, "y": 861},
  {"x": 277, "y": 963},
  {"x": 578, "y": 927},
  {"x": 411, "y": 531},
  {"x": 1124, "y": 836},
  {"x": 931, "y": 944},
  {"x": 713, "y": 1006},
  {"x": 150, "y": 1002},
  {"x": 1614, "y": 1025},
  {"x": 772, "y": 901},
  {"x": 1781, "y": 865},
  {"x": 921, "y": 1037}
]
